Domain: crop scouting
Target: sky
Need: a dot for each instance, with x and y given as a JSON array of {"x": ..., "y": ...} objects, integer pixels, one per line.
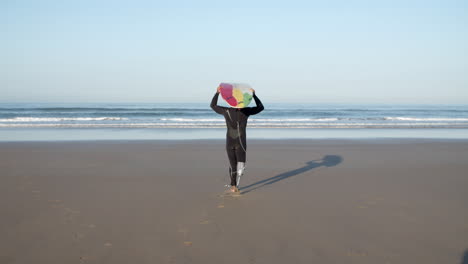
[{"x": 399, "y": 51}]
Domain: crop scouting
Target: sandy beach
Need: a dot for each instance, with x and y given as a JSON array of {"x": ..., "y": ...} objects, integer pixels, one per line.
[{"x": 302, "y": 201}]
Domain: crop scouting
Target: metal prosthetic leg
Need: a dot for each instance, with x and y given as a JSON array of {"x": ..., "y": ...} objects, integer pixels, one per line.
[{"x": 240, "y": 171}]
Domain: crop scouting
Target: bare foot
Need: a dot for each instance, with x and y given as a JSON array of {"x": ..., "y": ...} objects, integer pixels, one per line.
[{"x": 234, "y": 189}]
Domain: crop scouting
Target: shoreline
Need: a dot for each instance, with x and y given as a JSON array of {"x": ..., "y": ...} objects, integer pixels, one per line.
[
  {"x": 71, "y": 134},
  {"x": 256, "y": 141}
]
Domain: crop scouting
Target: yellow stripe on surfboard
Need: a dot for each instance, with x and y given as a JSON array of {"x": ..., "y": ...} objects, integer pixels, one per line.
[{"x": 237, "y": 93}]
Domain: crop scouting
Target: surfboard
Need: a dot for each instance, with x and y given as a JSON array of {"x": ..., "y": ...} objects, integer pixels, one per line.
[{"x": 237, "y": 95}]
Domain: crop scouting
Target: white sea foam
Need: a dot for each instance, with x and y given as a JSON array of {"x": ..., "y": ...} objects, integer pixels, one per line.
[
  {"x": 59, "y": 119},
  {"x": 252, "y": 119},
  {"x": 294, "y": 119},
  {"x": 219, "y": 125},
  {"x": 193, "y": 119},
  {"x": 331, "y": 119},
  {"x": 435, "y": 119}
]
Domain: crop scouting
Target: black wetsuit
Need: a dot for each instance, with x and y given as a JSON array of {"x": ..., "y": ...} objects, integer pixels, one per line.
[{"x": 236, "y": 138}]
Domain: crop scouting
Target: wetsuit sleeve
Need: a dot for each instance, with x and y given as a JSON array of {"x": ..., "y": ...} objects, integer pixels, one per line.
[
  {"x": 214, "y": 104},
  {"x": 258, "y": 108}
]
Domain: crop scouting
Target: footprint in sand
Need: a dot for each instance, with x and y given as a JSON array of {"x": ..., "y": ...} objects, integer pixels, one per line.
[
  {"x": 85, "y": 258},
  {"x": 357, "y": 253},
  {"x": 205, "y": 222},
  {"x": 78, "y": 236},
  {"x": 370, "y": 203},
  {"x": 71, "y": 211},
  {"x": 70, "y": 214},
  {"x": 188, "y": 243},
  {"x": 55, "y": 203},
  {"x": 184, "y": 231}
]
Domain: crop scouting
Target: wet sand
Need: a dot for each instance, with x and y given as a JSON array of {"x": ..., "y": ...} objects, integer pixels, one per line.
[{"x": 303, "y": 201}]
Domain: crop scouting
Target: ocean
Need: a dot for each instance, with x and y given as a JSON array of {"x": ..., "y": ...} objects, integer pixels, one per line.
[{"x": 182, "y": 118}]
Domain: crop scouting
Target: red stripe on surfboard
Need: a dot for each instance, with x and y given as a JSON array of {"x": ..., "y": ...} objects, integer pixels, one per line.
[{"x": 226, "y": 93}]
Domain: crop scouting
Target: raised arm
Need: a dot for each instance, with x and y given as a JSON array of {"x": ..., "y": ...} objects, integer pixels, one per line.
[
  {"x": 257, "y": 109},
  {"x": 214, "y": 104}
]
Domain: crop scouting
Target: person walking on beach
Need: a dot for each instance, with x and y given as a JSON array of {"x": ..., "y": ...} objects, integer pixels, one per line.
[{"x": 236, "y": 138}]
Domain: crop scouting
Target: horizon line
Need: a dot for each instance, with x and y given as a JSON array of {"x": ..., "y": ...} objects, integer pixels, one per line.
[{"x": 208, "y": 102}]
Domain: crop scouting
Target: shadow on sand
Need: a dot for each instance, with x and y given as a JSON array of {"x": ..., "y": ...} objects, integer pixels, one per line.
[
  {"x": 465, "y": 257},
  {"x": 326, "y": 161}
]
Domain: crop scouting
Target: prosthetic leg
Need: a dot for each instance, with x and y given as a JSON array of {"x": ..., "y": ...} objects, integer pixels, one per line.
[
  {"x": 233, "y": 177},
  {"x": 240, "y": 172}
]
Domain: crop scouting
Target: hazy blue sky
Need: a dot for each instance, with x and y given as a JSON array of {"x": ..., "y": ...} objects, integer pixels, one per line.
[{"x": 398, "y": 51}]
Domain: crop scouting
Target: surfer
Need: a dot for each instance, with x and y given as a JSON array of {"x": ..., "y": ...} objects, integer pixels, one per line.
[{"x": 236, "y": 138}]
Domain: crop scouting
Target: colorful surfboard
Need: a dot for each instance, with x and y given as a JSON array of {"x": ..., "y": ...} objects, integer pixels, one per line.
[{"x": 237, "y": 95}]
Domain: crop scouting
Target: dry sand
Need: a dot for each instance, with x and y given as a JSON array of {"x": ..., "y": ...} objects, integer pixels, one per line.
[{"x": 305, "y": 201}]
